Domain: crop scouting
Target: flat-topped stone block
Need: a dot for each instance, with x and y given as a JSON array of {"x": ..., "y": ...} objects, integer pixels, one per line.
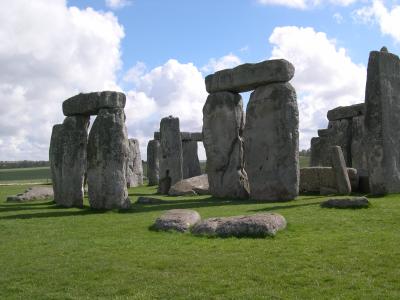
[
  {"x": 91, "y": 103},
  {"x": 185, "y": 136},
  {"x": 346, "y": 112},
  {"x": 248, "y": 77}
]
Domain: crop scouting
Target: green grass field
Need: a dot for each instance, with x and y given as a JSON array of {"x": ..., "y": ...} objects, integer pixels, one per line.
[
  {"x": 21, "y": 175},
  {"x": 54, "y": 253}
]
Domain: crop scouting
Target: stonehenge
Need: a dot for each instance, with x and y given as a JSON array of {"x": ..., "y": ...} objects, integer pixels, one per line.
[
  {"x": 111, "y": 161},
  {"x": 153, "y": 162}
]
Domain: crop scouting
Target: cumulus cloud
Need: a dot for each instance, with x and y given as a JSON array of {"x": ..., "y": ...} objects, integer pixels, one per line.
[
  {"x": 387, "y": 19},
  {"x": 224, "y": 62},
  {"x": 49, "y": 52},
  {"x": 116, "y": 4},
  {"x": 325, "y": 75},
  {"x": 305, "y": 4}
]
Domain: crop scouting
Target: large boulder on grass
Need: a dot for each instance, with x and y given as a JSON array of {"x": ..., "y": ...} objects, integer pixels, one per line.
[
  {"x": 192, "y": 186},
  {"x": 355, "y": 202},
  {"x": 33, "y": 193},
  {"x": 177, "y": 219}
]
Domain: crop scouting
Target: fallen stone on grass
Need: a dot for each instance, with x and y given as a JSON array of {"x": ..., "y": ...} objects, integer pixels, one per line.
[
  {"x": 258, "y": 225},
  {"x": 149, "y": 200},
  {"x": 355, "y": 202},
  {"x": 192, "y": 186},
  {"x": 32, "y": 194},
  {"x": 177, "y": 219}
]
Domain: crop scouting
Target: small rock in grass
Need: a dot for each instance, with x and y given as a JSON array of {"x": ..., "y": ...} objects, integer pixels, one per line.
[
  {"x": 356, "y": 202},
  {"x": 258, "y": 225},
  {"x": 149, "y": 200},
  {"x": 177, "y": 219}
]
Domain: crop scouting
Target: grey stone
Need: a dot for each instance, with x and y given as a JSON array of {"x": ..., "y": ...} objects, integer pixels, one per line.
[
  {"x": 272, "y": 143},
  {"x": 382, "y": 99},
  {"x": 153, "y": 162},
  {"x": 359, "y": 158},
  {"x": 185, "y": 136},
  {"x": 191, "y": 186},
  {"x": 258, "y": 225},
  {"x": 340, "y": 170},
  {"x": 346, "y": 112},
  {"x": 223, "y": 123},
  {"x": 328, "y": 191},
  {"x": 134, "y": 169},
  {"x": 171, "y": 158},
  {"x": 196, "y": 136},
  {"x": 354, "y": 202},
  {"x": 32, "y": 194},
  {"x": 247, "y": 77},
  {"x": 177, "y": 219},
  {"x": 108, "y": 149},
  {"x": 67, "y": 155},
  {"x": 324, "y": 132},
  {"x": 312, "y": 179},
  {"x": 150, "y": 200},
  {"x": 157, "y": 135},
  {"x": 190, "y": 162},
  {"x": 91, "y": 103}
]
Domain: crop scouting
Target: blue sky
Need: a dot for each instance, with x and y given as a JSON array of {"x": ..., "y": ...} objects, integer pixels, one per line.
[{"x": 159, "y": 51}]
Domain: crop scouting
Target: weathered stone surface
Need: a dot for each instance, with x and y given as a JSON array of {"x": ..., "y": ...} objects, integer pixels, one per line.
[
  {"x": 191, "y": 186},
  {"x": 312, "y": 179},
  {"x": 150, "y": 200},
  {"x": 223, "y": 123},
  {"x": 177, "y": 219},
  {"x": 382, "y": 122},
  {"x": 153, "y": 162},
  {"x": 185, "y": 136},
  {"x": 196, "y": 136},
  {"x": 157, "y": 135},
  {"x": 108, "y": 149},
  {"x": 359, "y": 158},
  {"x": 272, "y": 143},
  {"x": 171, "y": 158},
  {"x": 354, "y": 202},
  {"x": 190, "y": 162},
  {"x": 346, "y": 112},
  {"x": 91, "y": 103},
  {"x": 134, "y": 169},
  {"x": 340, "y": 170},
  {"x": 247, "y": 77},
  {"x": 324, "y": 132},
  {"x": 32, "y": 194},
  {"x": 67, "y": 155},
  {"x": 258, "y": 225}
]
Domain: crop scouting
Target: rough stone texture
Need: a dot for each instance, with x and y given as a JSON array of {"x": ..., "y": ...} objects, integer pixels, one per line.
[
  {"x": 247, "y": 77},
  {"x": 272, "y": 143},
  {"x": 67, "y": 155},
  {"x": 177, "y": 219},
  {"x": 171, "y": 158},
  {"x": 153, "y": 162},
  {"x": 382, "y": 122},
  {"x": 192, "y": 186},
  {"x": 108, "y": 149},
  {"x": 359, "y": 159},
  {"x": 157, "y": 135},
  {"x": 346, "y": 112},
  {"x": 185, "y": 136},
  {"x": 150, "y": 200},
  {"x": 190, "y": 162},
  {"x": 340, "y": 170},
  {"x": 314, "y": 178},
  {"x": 258, "y": 225},
  {"x": 196, "y": 136},
  {"x": 32, "y": 194},
  {"x": 91, "y": 103},
  {"x": 223, "y": 123},
  {"x": 324, "y": 132},
  {"x": 134, "y": 169},
  {"x": 355, "y": 202}
]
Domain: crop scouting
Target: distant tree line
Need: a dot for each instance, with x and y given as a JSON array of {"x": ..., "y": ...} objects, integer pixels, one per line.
[
  {"x": 305, "y": 152},
  {"x": 23, "y": 164}
]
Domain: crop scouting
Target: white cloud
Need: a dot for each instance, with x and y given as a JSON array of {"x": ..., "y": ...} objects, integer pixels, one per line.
[
  {"x": 325, "y": 75},
  {"x": 305, "y": 4},
  {"x": 48, "y": 53},
  {"x": 224, "y": 62},
  {"x": 116, "y": 4},
  {"x": 388, "y": 19},
  {"x": 338, "y": 18}
]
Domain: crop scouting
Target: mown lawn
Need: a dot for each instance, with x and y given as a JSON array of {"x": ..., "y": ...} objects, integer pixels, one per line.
[
  {"x": 54, "y": 253},
  {"x": 28, "y": 175}
]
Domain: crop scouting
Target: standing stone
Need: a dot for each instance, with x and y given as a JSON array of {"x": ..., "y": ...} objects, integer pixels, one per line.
[
  {"x": 339, "y": 167},
  {"x": 134, "y": 171},
  {"x": 346, "y": 112},
  {"x": 171, "y": 157},
  {"x": 67, "y": 156},
  {"x": 223, "y": 123},
  {"x": 359, "y": 159},
  {"x": 153, "y": 162},
  {"x": 272, "y": 143},
  {"x": 191, "y": 163},
  {"x": 108, "y": 149},
  {"x": 382, "y": 122}
]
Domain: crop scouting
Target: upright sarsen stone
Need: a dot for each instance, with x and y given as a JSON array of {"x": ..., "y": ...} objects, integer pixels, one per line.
[
  {"x": 67, "y": 156},
  {"x": 153, "y": 162},
  {"x": 340, "y": 170},
  {"x": 272, "y": 143},
  {"x": 382, "y": 122},
  {"x": 171, "y": 157},
  {"x": 134, "y": 171},
  {"x": 108, "y": 149},
  {"x": 223, "y": 123},
  {"x": 191, "y": 163}
]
